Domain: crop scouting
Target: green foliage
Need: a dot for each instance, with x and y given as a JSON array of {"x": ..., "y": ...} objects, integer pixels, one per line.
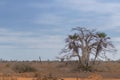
[
  {"x": 74, "y": 36},
  {"x": 22, "y": 67},
  {"x": 101, "y": 34}
]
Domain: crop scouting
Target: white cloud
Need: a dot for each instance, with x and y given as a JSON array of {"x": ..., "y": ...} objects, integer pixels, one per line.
[
  {"x": 91, "y": 5},
  {"x": 116, "y": 39},
  {"x": 116, "y": 42},
  {"x": 6, "y": 32},
  {"x": 44, "y": 42},
  {"x": 23, "y": 40},
  {"x": 111, "y": 10},
  {"x": 108, "y": 13},
  {"x": 48, "y": 19}
]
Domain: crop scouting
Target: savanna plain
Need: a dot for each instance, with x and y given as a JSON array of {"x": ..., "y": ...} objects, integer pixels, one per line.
[{"x": 57, "y": 70}]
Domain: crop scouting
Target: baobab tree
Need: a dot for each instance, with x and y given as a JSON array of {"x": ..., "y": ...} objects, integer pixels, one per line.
[{"x": 85, "y": 42}]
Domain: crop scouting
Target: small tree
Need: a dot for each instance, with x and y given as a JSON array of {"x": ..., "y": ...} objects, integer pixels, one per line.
[{"x": 85, "y": 42}]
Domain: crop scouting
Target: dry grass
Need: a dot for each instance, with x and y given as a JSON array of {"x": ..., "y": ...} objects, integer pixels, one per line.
[{"x": 61, "y": 69}]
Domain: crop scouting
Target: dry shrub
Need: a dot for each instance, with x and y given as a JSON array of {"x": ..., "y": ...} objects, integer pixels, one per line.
[
  {"x": 22, "y": 67},
  {"x": 47, "y": 77},
  {"x": 95, "y": 76},
  {"x": 7, "y": 77}
]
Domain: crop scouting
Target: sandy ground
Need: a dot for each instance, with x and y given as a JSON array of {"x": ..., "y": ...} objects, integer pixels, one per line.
[
  {"x": 69, "y": 79},
  {"x": 25, "y": 78},
  {"x": 87, "y": 79},
  {"x": 21, "y": 78},
  {"x": 92, "y": 76}
]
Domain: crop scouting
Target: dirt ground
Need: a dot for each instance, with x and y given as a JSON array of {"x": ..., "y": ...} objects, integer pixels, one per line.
[
  {"x": 21, "y": 78},
  {"x": 92, "y": 76}
]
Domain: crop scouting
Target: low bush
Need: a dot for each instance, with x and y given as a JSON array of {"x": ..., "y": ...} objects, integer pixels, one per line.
[
  {"x": 22, "y": 67},
  {"x": 85, "y": 68},
  {"x": 48, "y": 77}
]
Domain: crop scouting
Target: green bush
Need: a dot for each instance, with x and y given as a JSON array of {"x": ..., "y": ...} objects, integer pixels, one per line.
[{"x": 22, "y": 67}]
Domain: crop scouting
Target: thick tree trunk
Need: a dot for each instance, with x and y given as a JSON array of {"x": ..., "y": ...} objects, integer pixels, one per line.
[
  {"x": 85, "y": 58},
  {"x": 83, "y": 61}
]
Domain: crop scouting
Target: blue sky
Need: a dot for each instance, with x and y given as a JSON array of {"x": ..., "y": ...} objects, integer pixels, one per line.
[{"x": 33, "y": 28}]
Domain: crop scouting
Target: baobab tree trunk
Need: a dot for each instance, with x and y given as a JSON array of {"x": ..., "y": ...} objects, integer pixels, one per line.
[{"x": 85, "y": 58}]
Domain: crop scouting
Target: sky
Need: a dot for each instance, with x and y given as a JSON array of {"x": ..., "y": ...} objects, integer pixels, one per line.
[{"x": 33, "y": 28}]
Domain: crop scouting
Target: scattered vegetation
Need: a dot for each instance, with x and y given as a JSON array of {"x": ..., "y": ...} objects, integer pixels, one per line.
[
  {"x": 85, "y": 68},
  {"x": 59, "y": 69},
  {"x": 22, "y": 67}
]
